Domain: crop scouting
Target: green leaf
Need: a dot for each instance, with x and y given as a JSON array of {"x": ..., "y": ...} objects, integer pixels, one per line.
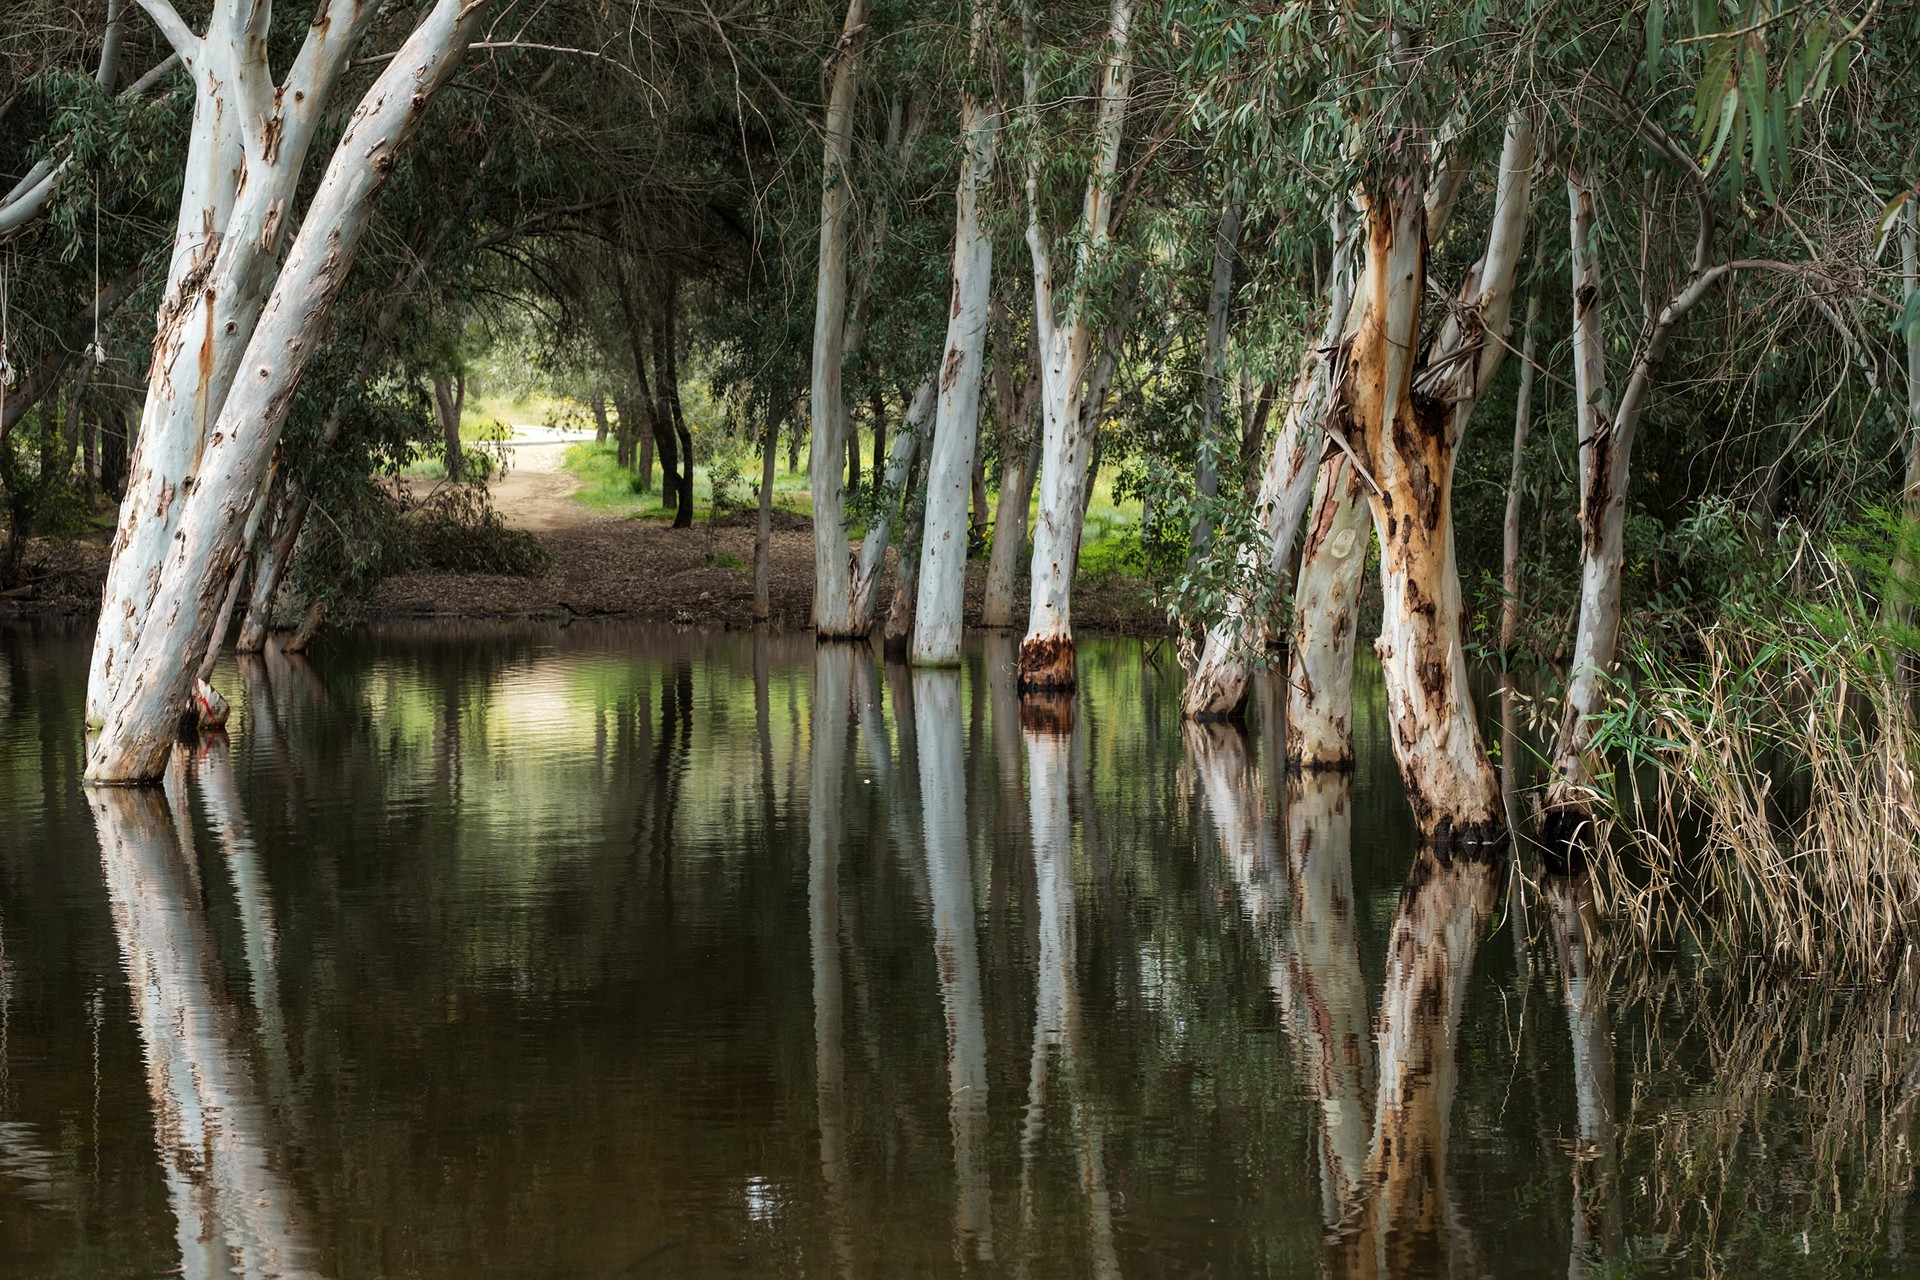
[
  {"x": 1890, "y": 211},
  {"x": 1729, "y": 112},
  {"x": 1656, "y": 23}
]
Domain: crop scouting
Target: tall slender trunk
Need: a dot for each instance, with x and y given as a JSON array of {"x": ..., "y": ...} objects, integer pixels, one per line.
[
  {"x": 978, "y": 521},
  {"x": 600, "y": 424},
  {"x": 763, "y": 527},
  {"x": 1218, "y": 684},
  {"x": 1606, "y": 445},
  {"x": 669, "y": 370},
  {"x": 449, "y": 401},
  {"x": 1009, "y": 536},
  {"x": 113, "y": 450},
  {"x": 832, "y": 563},
  {"x": 145, "y": 674},
  {"x": 270, "y": 567},
  {"x": 1213, "y": 366},
  {"x": 1326, "y": 621},
  {"x": 1510, "y": 526},
  {"x": 939, "y": 622},
  {"x": 1047, "y": 655},
  {"x": 897, "y": 636},
  {"x": 895, "y": 489}
]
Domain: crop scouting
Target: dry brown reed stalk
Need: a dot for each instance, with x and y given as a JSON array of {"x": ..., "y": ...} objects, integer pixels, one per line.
[{"x": 1767, "y": 806}]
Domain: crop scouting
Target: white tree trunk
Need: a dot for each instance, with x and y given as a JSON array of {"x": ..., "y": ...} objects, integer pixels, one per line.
[
  {"x": 902, "y": 451},
  {"x": 146, "y": 685},
  {"x": 1510, "y": 525},
  {"x": 1217, "y": 686},
  {"x": 943, "y": 775},
  {"x": 833, "y": 616},
  {"x": 1606, "y": 447},
  {"x": 938, "y": 622},
  {"x": 1046, "y": 655},
  {"x": 244, "y": 159},
  {"x": 1327, "y": 621}
]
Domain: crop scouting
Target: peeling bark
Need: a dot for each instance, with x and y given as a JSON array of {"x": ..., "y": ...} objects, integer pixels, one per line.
[
  {"x": 245, "y": 154},
  {"x": 1407, "y": 433},
  {"x": 1606, "y": 447},
  {"x": 1326, "y": 621}
]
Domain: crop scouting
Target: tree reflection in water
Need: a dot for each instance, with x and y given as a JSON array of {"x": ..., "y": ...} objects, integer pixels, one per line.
[{"x": 234, "y": 1210}]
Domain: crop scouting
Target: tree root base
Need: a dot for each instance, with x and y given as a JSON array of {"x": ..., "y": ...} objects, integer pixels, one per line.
[{"x": 1047, "y": 665}]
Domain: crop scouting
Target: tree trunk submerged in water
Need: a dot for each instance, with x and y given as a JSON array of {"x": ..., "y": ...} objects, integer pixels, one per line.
[
  {"x": 145, "y": 673},
  {"x": 833, "y": 616},
  {"x": 227, "y": 238},
  {"x": 1409, "y": 437},
  {"x": 956, "y": 435},
  {"x": 1046, "y": 655}
]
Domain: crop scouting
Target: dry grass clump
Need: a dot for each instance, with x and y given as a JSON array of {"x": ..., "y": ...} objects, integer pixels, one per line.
[{"x": 1768, "y": 803}]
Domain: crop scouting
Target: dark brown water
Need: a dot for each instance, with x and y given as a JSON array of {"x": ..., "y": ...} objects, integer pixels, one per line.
[{"x": 597, "y": 952}]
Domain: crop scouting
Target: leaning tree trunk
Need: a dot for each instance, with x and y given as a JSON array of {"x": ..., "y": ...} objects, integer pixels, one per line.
[
  {"x": 1046, "y": 655},
  {"x": 1326, "y": 621},
  {"x": 956, "y": 434},
  {"x": 1606, "y": 445},
  {"x": 245, "y": 153},
  {"x": 147, "y": 680},
  {"x": 1217, "y": 686},
  {"x": 902, "y": 456},
  {"x": 832, "y": 565}
]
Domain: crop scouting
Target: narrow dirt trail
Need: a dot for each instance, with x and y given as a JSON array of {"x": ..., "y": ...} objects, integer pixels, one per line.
[{"x": 537, "y": 493}]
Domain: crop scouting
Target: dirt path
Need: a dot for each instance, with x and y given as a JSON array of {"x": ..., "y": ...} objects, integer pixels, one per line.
[{"x": 537, "y": 492}]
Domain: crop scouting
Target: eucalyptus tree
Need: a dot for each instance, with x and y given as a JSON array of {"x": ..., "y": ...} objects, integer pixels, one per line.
[
  {"x": 206, "y": 441},
  {"x": 1064, "y": 327},
  {"x": 956, "y": 432}
]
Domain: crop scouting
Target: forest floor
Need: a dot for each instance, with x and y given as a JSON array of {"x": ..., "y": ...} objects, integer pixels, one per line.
[
  {"x": 634, "y": 564},
  {"x": 616, "y": 562}
]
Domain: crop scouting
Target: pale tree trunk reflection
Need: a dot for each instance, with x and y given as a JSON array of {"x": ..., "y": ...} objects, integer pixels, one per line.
[
  {"x": 1056, "y": 1011},
  {"x": 936, "y": 695},
  {"x": 832, "y": 681},
  {"x": 1574, "y": 915},
  {"x": 1403, "y": 1219},
  {"x": 236, "y": 1214},
  {"x": 1302, "y": 903}
]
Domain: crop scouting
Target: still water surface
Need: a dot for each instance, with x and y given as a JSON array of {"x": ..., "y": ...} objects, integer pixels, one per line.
[{"x": 605, "y": 951}]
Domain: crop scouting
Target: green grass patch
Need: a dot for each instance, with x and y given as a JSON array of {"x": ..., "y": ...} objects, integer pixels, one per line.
[{"x": 610, "y": 488}]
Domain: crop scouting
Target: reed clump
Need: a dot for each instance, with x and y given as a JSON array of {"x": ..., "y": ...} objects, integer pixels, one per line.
[{"x": 1766, "y": 801}]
